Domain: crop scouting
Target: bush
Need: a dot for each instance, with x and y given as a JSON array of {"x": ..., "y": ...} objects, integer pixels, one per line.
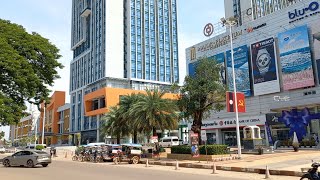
[
  {"x": 182, "y": 149},
  {"x": 214, "y": 149},
  {"x": 162, "y": 149},
  {"x": 211, "y": 149},
  {"x": 39, "y": 147}
]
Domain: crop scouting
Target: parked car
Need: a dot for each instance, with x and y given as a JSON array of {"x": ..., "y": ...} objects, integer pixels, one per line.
[
  {"x": 2, "y": 150},
  {"x": 27, "y": 158},
  {"x": 169, "y": 141}
]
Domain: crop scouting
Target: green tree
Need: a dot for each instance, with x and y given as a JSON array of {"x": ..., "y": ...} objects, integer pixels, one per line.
[
  {"x": 126, "y": 102},
  {"x": 28, "y": 65},
  {"x": 113, "y": 124},
  {"x": 153, "y": 112},
  {"x": 2, "y": 135},
  {"x": 202, "y": 93}
]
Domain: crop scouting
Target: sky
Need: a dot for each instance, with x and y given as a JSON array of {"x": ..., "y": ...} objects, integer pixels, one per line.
[{"x": 52, "y": 20}]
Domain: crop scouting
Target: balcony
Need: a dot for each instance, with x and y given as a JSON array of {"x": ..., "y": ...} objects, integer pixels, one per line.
[{"x": 86, "y": 12}]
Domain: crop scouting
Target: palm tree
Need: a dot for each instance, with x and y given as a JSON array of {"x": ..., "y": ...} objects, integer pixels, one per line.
[
  {"x": 126, "y": 102},
  {"x": 153, "y": 112},
  {"x": 114, "y": 125}
]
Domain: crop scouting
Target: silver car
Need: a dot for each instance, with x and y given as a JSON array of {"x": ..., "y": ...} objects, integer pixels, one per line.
[{"x": 27, "y": 158}]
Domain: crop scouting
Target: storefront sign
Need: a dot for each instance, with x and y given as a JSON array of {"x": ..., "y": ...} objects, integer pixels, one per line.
[
  {"x": 251, "y": 29},
  {"x": 219, "y": 42},
  {"x": 299, "y": 14},
  {"x": 231, "y": 123},
  {"x": 208, "y": 30}
]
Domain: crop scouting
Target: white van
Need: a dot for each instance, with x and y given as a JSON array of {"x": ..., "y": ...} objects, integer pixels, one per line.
[
  {"x": 32, "y": 146},
  {"x": 169, "y": 141}
]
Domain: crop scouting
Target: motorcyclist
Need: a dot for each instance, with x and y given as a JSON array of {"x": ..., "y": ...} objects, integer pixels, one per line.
[{"x": 314, "y": 171}]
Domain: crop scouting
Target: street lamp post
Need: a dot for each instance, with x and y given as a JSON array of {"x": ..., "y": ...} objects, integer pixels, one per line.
[
  {"x": 43, "y": 121},
  {"x": 232, "y": 22}
]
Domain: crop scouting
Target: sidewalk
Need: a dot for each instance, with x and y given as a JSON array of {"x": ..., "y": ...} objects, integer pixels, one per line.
[
  {"x": 282, "y": 162},
  {"x": 285, "y": 162}
]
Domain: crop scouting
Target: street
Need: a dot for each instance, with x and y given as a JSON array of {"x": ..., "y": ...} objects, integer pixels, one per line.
[{"x": 78, "y": 170}]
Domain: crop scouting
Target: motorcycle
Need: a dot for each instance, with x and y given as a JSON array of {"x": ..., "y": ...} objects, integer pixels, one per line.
[{"x": 312, "y": 173}]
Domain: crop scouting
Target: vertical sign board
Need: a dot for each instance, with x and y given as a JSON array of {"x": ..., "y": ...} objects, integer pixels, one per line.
[
  {"x": 230, "y": 102},
  {"x": 241, "y": 68},
  {"x": 203, "y": 135},
  {"x": 264, "y": 67},
  {"x": 295, "y": 58},
  {"x": 194, "y": 138}
]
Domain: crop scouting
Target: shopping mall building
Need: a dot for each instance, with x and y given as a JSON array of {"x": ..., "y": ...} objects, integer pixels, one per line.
[{"x": 276, "y": 57}]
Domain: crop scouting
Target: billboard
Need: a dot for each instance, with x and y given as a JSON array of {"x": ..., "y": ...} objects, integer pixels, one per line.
[
  {"x": 220, "y": 60},
  {"x": 315, "y": 43},
  {"x": 241, "y": 67},
  {"x": 295, "y": 58},
  {"x": 264, "y": 67}
]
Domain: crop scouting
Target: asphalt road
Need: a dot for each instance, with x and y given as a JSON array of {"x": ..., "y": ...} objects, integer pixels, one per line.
[{"x": 87, "y": 171}]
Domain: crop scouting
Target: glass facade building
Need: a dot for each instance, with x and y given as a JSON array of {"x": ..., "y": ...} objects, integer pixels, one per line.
[
  {"x": 123, "y": 44},
  {"x": 152, "y": 40}
]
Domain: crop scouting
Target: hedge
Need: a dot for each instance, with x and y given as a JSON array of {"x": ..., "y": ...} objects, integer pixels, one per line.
[
  {"x": 39, "y": 147},
  {"x": 212, "y": 149}
]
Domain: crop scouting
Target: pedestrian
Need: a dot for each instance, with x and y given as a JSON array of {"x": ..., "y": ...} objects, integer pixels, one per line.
[
  {"x": 95, "y": 154},
  {"x": 157, "y": 150}
]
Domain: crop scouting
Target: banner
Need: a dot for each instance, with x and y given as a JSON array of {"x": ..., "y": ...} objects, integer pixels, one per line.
[
  {"x": 192, "y": 69},
  {"x": 314, "y": 26},
  {"x": 269, "y": 135},
  {"x": 295, "y": 58},
  {"x": 230, "y": 102},
  {"x": 220, "y": 60},
  {"x": 264, "y": 67},
  {"x": 241, "y": 67},
  {"x": 195, "y": 145}
]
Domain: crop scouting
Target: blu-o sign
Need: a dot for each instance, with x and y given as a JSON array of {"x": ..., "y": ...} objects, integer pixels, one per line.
[{"x": 313, "y": 6}]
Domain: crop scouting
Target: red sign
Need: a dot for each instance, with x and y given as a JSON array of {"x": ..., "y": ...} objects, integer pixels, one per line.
[{"x": 230, "y": 102}]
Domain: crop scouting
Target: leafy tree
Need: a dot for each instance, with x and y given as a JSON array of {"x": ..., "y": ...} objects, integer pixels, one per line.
[
  {"x": 202, "y": 93},
  {"x": 153, "y": 112},
  {"x": 28, "y": 65}
]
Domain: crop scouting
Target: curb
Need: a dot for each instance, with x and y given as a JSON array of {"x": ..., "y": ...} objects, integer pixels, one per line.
[{"x": 227, "y": 168}]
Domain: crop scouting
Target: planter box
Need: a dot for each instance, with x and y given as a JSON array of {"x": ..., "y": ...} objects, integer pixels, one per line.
[{"x": 200, "y": 158}]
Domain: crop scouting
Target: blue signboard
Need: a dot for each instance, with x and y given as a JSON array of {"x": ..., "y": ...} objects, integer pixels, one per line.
[{"x": 241, "y": 67}]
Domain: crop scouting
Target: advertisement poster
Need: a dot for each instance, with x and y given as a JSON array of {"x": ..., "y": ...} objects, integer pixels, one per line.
[
  {"x": 316, "y": 43},
  {"x": 264, "y": 67},
  {"x": 241, "y": 67},
  {"x": 295, "y": 58},
  {"x": 194, "y": 138},
  {"x": 192, "y": 69},
  {"x": 220, "y": 60}
]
